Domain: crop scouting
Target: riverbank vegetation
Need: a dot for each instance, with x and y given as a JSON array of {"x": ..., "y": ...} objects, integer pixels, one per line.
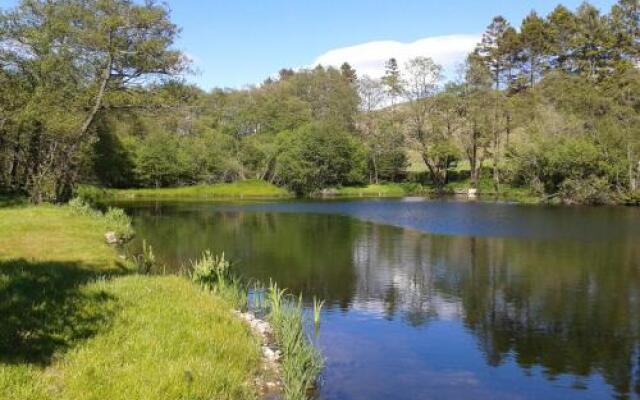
[
  {"x": 552, "y": 105},
  {"x": 250, "y": 189},
  {"x": 76, "y": 324}
]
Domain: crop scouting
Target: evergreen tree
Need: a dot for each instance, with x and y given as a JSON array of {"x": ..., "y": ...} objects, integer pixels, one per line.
[
  {"x": 392, "y": 80},
  {"x": 348, "y": 73},
  {"x": 562, "y": 30},
  {"x": 534, "y": 42}
]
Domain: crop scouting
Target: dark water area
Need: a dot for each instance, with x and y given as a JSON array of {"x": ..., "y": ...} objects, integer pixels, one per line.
[{"x": 439, "y": 299}]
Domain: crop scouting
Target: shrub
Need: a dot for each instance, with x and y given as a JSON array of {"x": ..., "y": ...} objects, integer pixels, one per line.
[
  {"x": 592, "y": 190},
  {"x": 119, "y": 222},
  {"x": 79, "y": 207},
  {"x": 115, "y": 219}
]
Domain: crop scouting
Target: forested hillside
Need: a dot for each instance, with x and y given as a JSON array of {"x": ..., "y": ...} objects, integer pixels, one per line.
[{"x": 91, "y": 94}]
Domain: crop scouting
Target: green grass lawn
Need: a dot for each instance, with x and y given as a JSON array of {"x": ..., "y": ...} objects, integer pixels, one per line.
[
  {"x": 240, "y": 189},
  {"x": 379, "y": 190},
  {"x": 76, "y": 324}
]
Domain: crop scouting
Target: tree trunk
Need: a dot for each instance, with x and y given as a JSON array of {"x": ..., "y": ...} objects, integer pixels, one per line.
[
  {"x": 632, "y": 176},
  {"x": 66, "y": 180},
  {"x": 473, "y": 159},
  {"x": 496, "y": 147},
  {"x": 375, "y": 169}
]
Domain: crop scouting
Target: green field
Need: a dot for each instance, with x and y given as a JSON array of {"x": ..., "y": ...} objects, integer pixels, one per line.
[
  {"x": 255, "y": 189},
  {"x": 378, "y": 190},
  {"x": 75, "y": 323}
]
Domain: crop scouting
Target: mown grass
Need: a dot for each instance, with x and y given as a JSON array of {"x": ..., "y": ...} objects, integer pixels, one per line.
[
  {"x": 75, "y": 324},
  {"x": 241, "y": 189}
]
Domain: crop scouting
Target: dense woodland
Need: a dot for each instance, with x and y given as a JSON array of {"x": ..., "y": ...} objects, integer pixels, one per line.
[{"x": 91, "y": 93}]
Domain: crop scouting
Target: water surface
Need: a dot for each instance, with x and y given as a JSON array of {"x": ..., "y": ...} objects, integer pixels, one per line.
[{"x": 439, "y": 299}]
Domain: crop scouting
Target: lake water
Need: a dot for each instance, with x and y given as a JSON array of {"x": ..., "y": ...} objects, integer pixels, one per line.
[{"x": 439, "y": 299}]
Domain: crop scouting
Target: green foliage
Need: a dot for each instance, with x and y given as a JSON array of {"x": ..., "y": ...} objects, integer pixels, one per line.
[
  {"x": 215, "y": 273},
  {"x": 145, "y": 262},
  {"x": 317, "y": 308},
  {"x": 211, "y": 271},
  {"x": 590, "y": 190},
  {"x": 63, "y": 74},
  {"x": 302, "y": 363},
  {"x": 114, "y": 219},
  {"x": 316, "y": 156}
]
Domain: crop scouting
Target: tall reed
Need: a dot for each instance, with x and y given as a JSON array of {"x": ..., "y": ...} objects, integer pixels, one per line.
[
  {"x": 317, "y": 308},
  {"x": 301, "y": 361}
]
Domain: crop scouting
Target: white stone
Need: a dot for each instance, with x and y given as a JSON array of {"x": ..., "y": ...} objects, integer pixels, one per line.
[{"x": 111, "y": 237}]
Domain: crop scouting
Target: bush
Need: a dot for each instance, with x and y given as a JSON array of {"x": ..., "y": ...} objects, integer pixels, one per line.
[
  {"x": 317, "y": 156},
  {"x": 119, "y": 222},
  {"x": 115, "y": 219},
  {"x": 592, "y": 190},
  {"x": 79, "y": 206}
]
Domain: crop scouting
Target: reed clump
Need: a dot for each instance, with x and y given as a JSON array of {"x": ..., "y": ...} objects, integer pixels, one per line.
[{"x": 301, "y": 360}]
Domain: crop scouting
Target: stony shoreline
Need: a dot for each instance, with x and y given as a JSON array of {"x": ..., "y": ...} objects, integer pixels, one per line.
[{"x": 270, "y": 380}]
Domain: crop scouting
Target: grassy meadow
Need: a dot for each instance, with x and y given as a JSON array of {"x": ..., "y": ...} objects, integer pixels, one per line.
[
  {"x": 75, "y": 323},
  {"x": 252, "y": 189}
]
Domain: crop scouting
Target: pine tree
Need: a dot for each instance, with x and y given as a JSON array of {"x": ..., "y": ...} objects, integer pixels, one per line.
[
  {"x": 490, "y": 51},
  {"x": 561, "y": 29},
  {"x": 392, "y": 80},
  {"x": 625, "y": 23},
  {"x": 533, "y": 34},
  {"x": 348, "y": 73}
]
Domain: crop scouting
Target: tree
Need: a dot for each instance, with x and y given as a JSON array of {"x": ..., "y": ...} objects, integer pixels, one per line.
[
  {"x": 562, "y": 30},
  {"x": 625, "y": 21},
  {"x": 592, "y": 49},
  {"x": 319, "y": 155},
  {"x": 348, "y": 73},
  {"x": 534, "y": 44},
  {"x": 392, "y": 80},
  {"x": 489, "y": 50},
  {"x": 372, "y": 94},
  {"x": 77, "y": 64},
  {"x": 421, "y": 84}
]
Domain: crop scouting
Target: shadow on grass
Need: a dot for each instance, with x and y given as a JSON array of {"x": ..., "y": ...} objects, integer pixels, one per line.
[
  {"x": 44, "y": 309},
  {"x": 10, "y": 200}
]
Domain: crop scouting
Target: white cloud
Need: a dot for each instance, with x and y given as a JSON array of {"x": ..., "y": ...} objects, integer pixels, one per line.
[{"x": 369, "y": 58}]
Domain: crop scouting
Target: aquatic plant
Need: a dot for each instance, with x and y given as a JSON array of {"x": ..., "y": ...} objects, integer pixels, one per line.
[
  {"x": 317, "y": 308},
  {"x": 275, "y": 296},
  {"x": 301, "y": 361},
  {"x": 119, "y": 222},
  {"x": 145, "y": 261},
  {"x": 214, "y": 273}
]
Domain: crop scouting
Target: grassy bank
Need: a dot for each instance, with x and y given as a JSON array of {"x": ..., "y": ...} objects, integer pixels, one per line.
[
  {"x": 242, "y": 189},
  {"x": 75, "y": 324},
  {"x": 485, "y": 190},
  {"x": 377, "y": 190}
]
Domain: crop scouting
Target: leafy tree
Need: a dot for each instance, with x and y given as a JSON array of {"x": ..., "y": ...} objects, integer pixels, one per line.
[
  {"x": 319, "y": 155},
  {"x": 78, "y": 55}
]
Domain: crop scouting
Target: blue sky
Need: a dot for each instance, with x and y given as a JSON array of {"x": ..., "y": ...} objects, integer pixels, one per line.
[{"x": 238, "y": 42}]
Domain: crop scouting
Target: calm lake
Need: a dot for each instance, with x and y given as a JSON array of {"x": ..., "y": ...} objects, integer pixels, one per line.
[{"x": 439, "y": 299}]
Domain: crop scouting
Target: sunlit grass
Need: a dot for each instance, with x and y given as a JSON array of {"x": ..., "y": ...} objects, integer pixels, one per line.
[
  {"x": 75, "y": 324},
  {"x": 239, "y": 189},
  {"x": 379, "y": 190}
]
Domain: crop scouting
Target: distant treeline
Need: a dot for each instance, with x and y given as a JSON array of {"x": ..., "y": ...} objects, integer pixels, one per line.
[{"x": 90, "y": 94}]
